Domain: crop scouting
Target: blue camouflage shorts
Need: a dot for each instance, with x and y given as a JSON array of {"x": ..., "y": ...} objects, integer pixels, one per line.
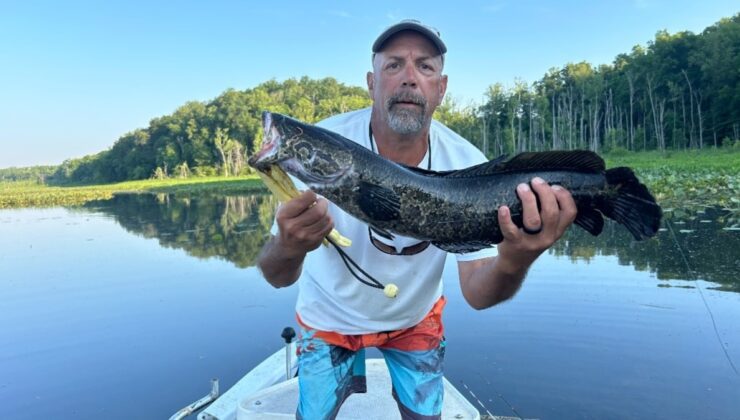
[{"x": 331, "y": 367}]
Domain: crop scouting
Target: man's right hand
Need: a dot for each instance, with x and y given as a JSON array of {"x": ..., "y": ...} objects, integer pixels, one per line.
[{"x": 304, "y": 222}]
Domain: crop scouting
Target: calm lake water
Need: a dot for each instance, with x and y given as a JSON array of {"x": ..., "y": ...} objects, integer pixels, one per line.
[{"x": 127, "y": 308}]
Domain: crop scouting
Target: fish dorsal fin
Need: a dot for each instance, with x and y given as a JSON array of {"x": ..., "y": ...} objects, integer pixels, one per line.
[
  {"x": 574, "y": 160},
  {"x": 481, "y": 169}
]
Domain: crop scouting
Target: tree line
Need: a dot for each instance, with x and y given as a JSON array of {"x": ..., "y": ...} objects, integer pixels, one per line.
[
  {"x": 211, "y": 138},
  {"x": 680, "y": 91}
]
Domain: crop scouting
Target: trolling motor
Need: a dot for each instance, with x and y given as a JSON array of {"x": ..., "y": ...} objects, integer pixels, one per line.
[{"x": 288, "y": 334}]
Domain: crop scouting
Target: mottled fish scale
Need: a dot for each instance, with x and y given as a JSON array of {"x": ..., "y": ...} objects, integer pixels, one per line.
[{"x": 456, "y": 210}]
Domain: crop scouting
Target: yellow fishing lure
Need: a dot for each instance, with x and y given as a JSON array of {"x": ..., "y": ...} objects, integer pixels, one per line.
[{"x": 280, "y": 184}]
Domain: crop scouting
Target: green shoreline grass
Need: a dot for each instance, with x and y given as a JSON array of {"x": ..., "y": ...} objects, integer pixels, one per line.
[
  {"x": 30, "y": 194},
  {"x": 685, "y": 182},
  {"x": 678, "y": 179}
]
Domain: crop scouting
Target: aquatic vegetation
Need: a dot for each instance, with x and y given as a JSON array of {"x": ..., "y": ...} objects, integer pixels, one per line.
[
  {"x": 686, "y": 182},
  {"x": 683, "y": 182},
  {"x": 31, "y": 194}
]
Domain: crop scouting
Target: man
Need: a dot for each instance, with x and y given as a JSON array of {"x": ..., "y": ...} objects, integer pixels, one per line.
[{"x": 339, "y": 316}]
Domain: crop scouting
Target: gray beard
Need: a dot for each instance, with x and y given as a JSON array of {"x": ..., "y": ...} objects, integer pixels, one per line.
[{"x": 406, "y": 121}]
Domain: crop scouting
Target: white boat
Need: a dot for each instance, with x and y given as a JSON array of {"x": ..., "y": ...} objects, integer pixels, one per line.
[{"x": 270, "y": 391}]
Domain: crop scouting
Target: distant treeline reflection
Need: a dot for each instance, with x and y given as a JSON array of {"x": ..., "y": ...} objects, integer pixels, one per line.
[
  {"x": 235, "y": 228},
  {"x": 710, "y": 251}
]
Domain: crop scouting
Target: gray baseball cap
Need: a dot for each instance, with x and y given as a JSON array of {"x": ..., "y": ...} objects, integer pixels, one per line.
[{"x": 410, "y": 25}]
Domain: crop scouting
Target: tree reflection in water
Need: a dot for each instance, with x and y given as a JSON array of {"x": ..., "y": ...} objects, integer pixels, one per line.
[
  {"x": 710, "y": 249},
  {"x": 235, "y": 228}
]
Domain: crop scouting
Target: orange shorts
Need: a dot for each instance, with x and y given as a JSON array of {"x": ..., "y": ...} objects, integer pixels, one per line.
[{"x": 425, "y": 335}]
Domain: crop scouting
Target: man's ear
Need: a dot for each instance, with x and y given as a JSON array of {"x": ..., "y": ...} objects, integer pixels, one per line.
[
  {"x": 442, "y": 88},
  {"x": 370, "y": 83}
]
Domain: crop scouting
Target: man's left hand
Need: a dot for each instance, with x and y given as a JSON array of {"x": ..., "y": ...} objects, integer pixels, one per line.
[{"x": 542, "y": 228}]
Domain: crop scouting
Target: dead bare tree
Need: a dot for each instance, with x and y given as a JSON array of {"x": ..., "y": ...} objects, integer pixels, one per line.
[
  {"x": 484, "y": 129},
  {"x": 658, "y": 108},
  {"x": 701, "y": 119},
  {"x": 555, "y": 140},
  {"x": 570, "y": 116},
  {"x": 691, "y": 109},
  {"x": 631, "y": 83},
  {"x": 220, "y": 140},
  {"x": 595, "y": 122}
]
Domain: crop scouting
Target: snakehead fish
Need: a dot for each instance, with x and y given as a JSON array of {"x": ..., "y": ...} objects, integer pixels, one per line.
[{"x": 454, "y": 210}]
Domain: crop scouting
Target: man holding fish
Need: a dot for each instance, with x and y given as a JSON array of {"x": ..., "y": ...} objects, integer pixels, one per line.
[{"x": 339, "y": 316}]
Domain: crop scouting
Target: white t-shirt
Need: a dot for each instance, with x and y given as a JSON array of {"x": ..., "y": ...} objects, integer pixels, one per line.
[{"x": 331, "y": 299}]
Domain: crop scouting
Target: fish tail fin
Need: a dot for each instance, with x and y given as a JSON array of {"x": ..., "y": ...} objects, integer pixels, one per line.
[{"x": 630, "y": 203}]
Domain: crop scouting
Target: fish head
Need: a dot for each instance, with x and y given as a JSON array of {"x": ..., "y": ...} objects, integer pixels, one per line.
[
  {"x": 310, "y": 153},
  {"x": 272, "y": 151}
]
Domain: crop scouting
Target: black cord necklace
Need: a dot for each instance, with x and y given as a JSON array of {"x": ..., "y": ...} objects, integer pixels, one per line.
[
  {"x": 429, "y": 145},
  {"x": 348, "y": 261}
]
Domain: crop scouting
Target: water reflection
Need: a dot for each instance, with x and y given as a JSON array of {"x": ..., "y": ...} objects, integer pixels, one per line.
[
  {"x": 700, "y": 241},
  {"x": 235, "y": 228}
]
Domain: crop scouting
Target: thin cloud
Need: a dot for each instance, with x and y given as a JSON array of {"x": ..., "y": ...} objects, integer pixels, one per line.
[
  {"x": 340, "y": 13},
  {"x": 494, "y": 7},
  {"x": 642, "y": 4},
  {"x": 394, "y": 16}
]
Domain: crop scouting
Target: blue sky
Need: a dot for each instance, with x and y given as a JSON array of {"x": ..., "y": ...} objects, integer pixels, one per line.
[{"x": 76, "y": 75}]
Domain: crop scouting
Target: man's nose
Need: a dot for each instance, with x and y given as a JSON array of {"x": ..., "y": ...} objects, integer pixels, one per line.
[{"x": 409, "y": 76}]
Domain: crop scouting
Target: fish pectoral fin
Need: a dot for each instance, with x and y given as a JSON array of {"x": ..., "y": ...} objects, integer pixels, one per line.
[
  {"x": 462, "y": 247},
  {"x": 379, "y": 203},
  {"x": 590, "y": 220}
]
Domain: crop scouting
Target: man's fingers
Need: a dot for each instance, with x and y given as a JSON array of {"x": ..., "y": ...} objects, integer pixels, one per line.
[
  {"x": 299, "y": 204},
  {"x": 505, "y": 224},
  {"x": 568, "y": 209},
  {"x": 315, "y": 212},
  {"x": 316, "y": 224},
  {"x": 549, "y": 209},
  {"x": 530, "y": 212}
]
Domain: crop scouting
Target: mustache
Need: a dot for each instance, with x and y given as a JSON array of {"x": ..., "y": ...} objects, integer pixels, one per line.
[{"x": 407, "y": 97}]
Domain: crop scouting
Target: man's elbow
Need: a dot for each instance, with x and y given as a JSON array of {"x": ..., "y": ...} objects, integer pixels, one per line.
[
  {"x": 480, "y": 304},
  {"x": 275, "y": 278},
  {"x": 280, "y": 283}
]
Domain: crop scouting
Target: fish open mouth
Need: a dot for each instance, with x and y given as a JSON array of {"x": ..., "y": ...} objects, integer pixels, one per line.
[{"x": 265, "y": 157}]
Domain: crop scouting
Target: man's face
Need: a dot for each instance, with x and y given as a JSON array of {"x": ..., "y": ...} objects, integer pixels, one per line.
[{"x": 407, "y": 84}]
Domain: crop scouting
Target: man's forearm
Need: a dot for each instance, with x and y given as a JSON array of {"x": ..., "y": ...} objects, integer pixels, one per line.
[
  {"x": 488, "y": 282},
  {"x": 279, "y": 268}
]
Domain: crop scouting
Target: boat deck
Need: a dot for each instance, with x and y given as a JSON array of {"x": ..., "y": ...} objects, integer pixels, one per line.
[{"x": 280, "y": 401}]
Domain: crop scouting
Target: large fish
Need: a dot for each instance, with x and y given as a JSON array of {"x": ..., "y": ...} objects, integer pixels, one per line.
[{"x": 454, "y": 210}]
